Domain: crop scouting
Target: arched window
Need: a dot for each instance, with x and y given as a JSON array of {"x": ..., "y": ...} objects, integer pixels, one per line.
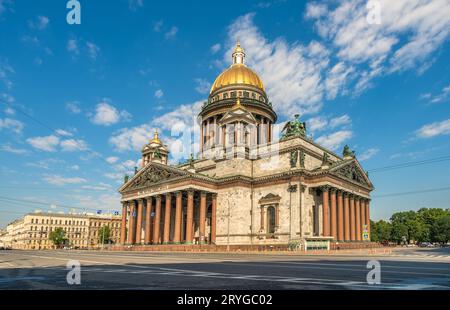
[{"x": 271, "y": 220}]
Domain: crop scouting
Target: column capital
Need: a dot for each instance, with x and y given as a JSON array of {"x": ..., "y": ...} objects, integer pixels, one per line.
[
  {"x": 340, "y": 192},
  {"x": 168, "y": 194},
  {"x": 177, "y": 193},
  {"x": 203, "y": 193},
  {"x": 324, "y": 187},
  {"x": 292, "y": 188},
  {"x": 214, "y": 195},
  {"x": 333, "y": 189}
]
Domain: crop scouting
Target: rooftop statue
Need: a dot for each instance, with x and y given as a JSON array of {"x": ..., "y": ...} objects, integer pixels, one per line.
[
  {"x": 294, "y": 128},
  {"x": 347, "y": 153}
]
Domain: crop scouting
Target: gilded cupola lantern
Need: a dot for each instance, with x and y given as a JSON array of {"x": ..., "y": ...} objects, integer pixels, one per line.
[{"x": 155, "y": 151}]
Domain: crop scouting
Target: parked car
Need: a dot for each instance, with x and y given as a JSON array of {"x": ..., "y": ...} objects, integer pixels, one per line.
[{"x": 425, "y": 244}]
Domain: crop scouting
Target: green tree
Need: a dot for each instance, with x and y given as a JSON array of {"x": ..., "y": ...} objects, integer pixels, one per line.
[
  {"x": 104, "y": 235},
  {"x": 441, "y": 229},
  {"x": 380, "y": 231},
  {"x": 431, "y": 217},
  {"x": 58, "y": 237}
]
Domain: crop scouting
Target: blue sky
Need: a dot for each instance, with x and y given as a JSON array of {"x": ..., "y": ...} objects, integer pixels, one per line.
[{"x": 79, "y": 101}]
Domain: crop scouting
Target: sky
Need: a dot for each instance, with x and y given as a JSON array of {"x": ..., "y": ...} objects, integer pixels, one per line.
[{"x": 78, "y": 102}]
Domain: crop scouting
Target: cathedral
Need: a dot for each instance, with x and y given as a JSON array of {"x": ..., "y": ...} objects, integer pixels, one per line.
[{"x": 246, "y": 186}]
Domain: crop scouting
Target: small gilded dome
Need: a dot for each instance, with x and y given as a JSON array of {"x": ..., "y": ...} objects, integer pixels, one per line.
[{"x": 156, "y": 138}]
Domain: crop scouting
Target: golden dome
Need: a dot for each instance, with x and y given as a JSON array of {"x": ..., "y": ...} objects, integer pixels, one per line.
[{"x": 238, "y": 73}]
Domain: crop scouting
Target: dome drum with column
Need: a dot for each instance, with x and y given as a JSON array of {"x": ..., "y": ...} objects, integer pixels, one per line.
[{"x": 238, "y": 82}]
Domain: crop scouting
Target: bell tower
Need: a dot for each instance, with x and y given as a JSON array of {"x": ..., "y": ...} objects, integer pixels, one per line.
[{"x": 155, "y": 151}]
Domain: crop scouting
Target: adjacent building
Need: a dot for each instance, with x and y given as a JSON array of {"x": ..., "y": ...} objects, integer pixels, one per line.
[
  {"x": 247, "y": 186},
  {"x": 82, "y": 230}
]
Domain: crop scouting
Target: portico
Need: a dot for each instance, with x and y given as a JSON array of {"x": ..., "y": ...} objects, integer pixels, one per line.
[{"x": 184, "y": 216}]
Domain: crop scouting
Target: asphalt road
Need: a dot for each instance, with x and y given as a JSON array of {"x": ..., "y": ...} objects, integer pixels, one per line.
[{"x": 405, "y": 269}]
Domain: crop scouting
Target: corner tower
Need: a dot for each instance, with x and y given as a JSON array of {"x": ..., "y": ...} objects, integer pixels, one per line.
[{"x": 155, "y": 151}]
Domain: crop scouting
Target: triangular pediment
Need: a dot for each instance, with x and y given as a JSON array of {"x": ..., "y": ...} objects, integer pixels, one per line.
[
  {"x": 352, "y": 171},
  {"x": 152, "y": 174},
  {"x": 239, "y": 114}
]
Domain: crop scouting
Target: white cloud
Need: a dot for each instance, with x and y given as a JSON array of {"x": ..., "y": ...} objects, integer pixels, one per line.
[
  {"x": 410, "y": 31},
  {"x": 10, "y": 149},
  {"x": 159, "y": 93},
  {"x": 367, "y": 154},
  {"x": 51, "y": 143},
  {"x": 315, "y": 10},
  {"x": 72, "y": 145},
  {"x": 40, "y": 23},
  {"x": 134, "y": 138},
  {"x": 47, "y": 144},
  {"x": 75, "y": 167},
  {"x": 335, "y": 140},
  {"x": 112, "y": 159},
  {"x": 106, "y": 115},
  {"x": 434, "y": 129},
  {"x": 157, "y": 26},
  {"x": 73, "y": 107},
  {"x": 320, "y": 123},
  {"x": 46, "y": 163},
  {"x": 60, "y": 180},
  {"x": 7, "y": 98},
  {"x": 127, "y": 166},
  {"x": 203, "y": 86},
  {"x": 12, "y": 125},
  {"x": 92, "y": 50},
  {"x": 350, "y": 53},
  {"x": 179, "y": 122},
  {"x": 114, "y": 176},
  {"x": 63, "y": 133},
  {"x": 181, "y": 118},
  {"x": 292, "y": 73},
  {"x": 442, "y": 96},
  {"x": 317, "y": 124},
  {"x": 340, "y": 121},
  {"x": 72, "y": 46},
  {"x": 215, "y": 48},
  {"x": 9, "y": 111},
  {"x": 5, "y": 74},
  {"x": 171, "y": 33}
]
